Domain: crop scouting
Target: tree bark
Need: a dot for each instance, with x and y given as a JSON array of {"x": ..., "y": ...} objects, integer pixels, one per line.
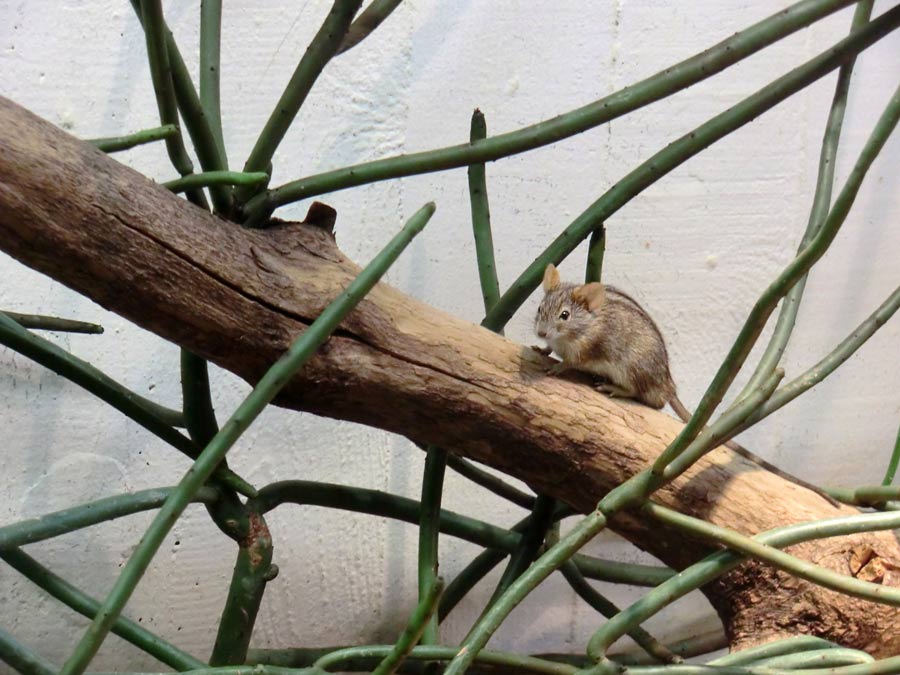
[{"x": 239, "y": 297}]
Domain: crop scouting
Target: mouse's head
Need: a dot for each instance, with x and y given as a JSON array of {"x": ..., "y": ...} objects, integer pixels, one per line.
[{"x": 567, "y": 311}]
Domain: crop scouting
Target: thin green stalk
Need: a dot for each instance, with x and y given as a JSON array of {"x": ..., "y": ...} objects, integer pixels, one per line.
[
  {"x": 523, "y": 664},
  {"x": 152, "y": 416},
  {"x": 539, "y": 522},
  {"x": 323, "y": 46},
  {"x": 791, "y": 645},
  {"x": 303, "y": 349},
  {"x": 678, "y": 152},
  {"x": 429, "y": 529},
  {"x": 210, "y": 66},
  {"x": 552, "y": 559},
  {"x": 198, "y": 127},
  {"x": 696, "y": 645},
  {"x": 252, "y": 571},
  {"x": 118, "y": 143},
  {"x": 87, "y": 606},
  {"x": 653, "y": 647},
  {"x": 665, "y": 83},
  {"x": 819, "y": 211},
  {"x": 84, "y": 515},
  {"x": 481, "y": 219},
  {"x": 480, "y": 566},
  {"x": 160, "y": 73},
  {"x": 719, "y": 563},
  {"x": 366, "y": 23},
  {"x": 867, "y": 495},
  {"x": 811, "y": 377},
  {"x": 41, "y": 322},
  {"x": 374, "y": 502},
  {"x": 158, "y": 419},
  {"x": 895, "y": 456},
  {"x": 818, "y": 658},
  {"x": 210, "y": 178},
  {"x": 593, "y": 270},
  {"x": 490, "y": 482},
  {"x": 723, "y": 428},
  {"x": 20, "y": 657},
  {"x": 199, "y": 415},
  {"x": 801, "y": 264},
  {"x": 772, "y": 556},
  {"x": 414, "y": 630}
]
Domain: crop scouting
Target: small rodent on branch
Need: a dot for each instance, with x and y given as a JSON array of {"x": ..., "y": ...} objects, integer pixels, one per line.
[{"x": 600, "y": 330}]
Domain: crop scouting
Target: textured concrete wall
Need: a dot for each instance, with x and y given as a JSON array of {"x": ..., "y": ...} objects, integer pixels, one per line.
[{"x": 697, "y": 249}]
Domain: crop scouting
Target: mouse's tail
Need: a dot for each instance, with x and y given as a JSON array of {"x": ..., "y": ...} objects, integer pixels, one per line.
[{"x": 679, "y": 409}]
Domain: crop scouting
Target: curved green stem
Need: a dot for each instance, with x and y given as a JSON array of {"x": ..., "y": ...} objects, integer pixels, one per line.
[
  {"x": 84, "y": 515},
  {"x": 323, "y": 46},
  {"x": 365, "y": 24},
  {"x": 811, "y": 377},
  {"x": 821, "y": 203},
  {"x": 665, "y": 83},
  {"x": 87, "y": 606},
  {"x": 653, "y": 647},
  {"x": 53, "y": 323},
  {"x": 414, "y": 630},
  {"x": 533, "y": 533},
  {"x": 209, "y": 178},
  {"x": 522, "y": 664},
  {"x": 719, "y": 563},
  {"x": 118, "y": 143},
  {"x": 266, "y": 389},
  {"x": 817, "y": 247},
  {"x": 429, "y": 529},
  {"x": 374, "y": 502},
  {"x": 160, "y": 73},
  {"x": 696, "y": 645},
  {"x": 198, "y": 127},
  {"x": 481, "y": 219},
  {"x": 480, "y": 566}
]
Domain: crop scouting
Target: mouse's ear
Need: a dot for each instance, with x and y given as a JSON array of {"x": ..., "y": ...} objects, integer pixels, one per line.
[
  {"x": 590, "y": 295},
  {"x": 551, "y": 278}
]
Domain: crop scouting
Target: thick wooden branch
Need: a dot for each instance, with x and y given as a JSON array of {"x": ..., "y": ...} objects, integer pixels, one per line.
[{"x": 239, "y": 297}]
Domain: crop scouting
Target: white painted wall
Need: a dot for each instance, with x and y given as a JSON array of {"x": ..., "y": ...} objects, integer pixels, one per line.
[{"x": 697, "y": 249}]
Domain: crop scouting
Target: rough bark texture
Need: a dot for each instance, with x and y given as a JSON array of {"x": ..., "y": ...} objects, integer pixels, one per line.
[{"x": 239, "y": 297}]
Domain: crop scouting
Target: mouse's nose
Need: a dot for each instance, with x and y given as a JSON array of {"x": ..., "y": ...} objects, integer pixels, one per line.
[{"x": 542, "y": 333}]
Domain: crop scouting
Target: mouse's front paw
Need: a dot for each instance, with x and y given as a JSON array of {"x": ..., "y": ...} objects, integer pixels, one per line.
[{"x": 557, "y": 368}]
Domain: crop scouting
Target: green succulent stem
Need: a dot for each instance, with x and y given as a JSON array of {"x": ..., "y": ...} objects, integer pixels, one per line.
[
  {"x": 481, "y": 219},
  {"x": 719, "y": 563},
  {"x": 819, "y": 211},
  {"x": 366, "y": 23},
  {"x": 665, "y": 83},
  {"x": 266, "y": 389},
  {"x": 679, "y": 151},
  {"x": 593, "y": 271},
  {"x": 210, "y": 178},
  {"x": 320, "y": 51},
  {"x": 125, "y": 628},
  {"x": 112, "y": 144},
  {"x": 53, "y": 323},
  {"x": 152, "y": 416},
  {"x": 414, "y": 630}
]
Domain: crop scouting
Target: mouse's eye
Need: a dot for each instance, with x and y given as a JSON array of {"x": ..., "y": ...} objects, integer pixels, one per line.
[{"x": 564, "y": 315}]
